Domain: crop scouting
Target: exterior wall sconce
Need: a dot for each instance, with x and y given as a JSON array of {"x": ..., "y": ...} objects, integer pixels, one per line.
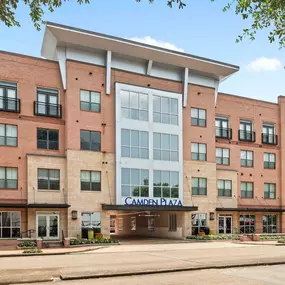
[
  {"x": 212, "y": 216},
  {"x": 74, "y": 215}
]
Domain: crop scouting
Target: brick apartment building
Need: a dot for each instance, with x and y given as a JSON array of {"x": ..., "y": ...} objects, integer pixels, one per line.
[{"x": 134, "y": 140}]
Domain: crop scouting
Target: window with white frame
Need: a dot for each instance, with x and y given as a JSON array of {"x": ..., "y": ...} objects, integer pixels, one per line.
[
  {"x": 199, "y": 223},
  {"x": 8, "y": 135},
  {"x": 246, "y": 189},
  {"x": 8, "y": 178},
  {"x": 199, "y": 151},
  {"x": 198, "y": 117},
  {"x": 269, "y": 224},
  {"x": 165, "y": 184},
  {"x": 134, "y": 105},
  {"x": 10, "y": 224},
  {"x": 270, "y": 190},
  {"x": 165, "y": 147},
  {"x": 199, "y": 186},
  {"x": 269, "y": 160},
  {"x": 223, "y": 156},
  {"x": 135, "y": 182},
  {"x": 165, "y": 110},
  {"x": 224, "y": 188},
  {"x": 90, "y": 221},
  {"x": 90, "y": 180},
  {"x": 90, "y": 101},
  {"x": 134, "y": 144},
  {"x": 246, "y": 158}
]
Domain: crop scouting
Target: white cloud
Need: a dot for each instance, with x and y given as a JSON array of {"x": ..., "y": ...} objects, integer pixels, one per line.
[
  {"x": 264, "y": 64},
  {"x": 150, "y": 41}
]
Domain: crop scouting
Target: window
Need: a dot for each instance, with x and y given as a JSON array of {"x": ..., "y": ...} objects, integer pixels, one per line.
[
  {"x": 8, "y": 97},
  {"x": 47, "y": 139},
  {"x": 135, "y": 182},
  {"x": 269, "y": 160},
  {"x": 48, "y": 179},
  {"x": 246, "y": 158},
  {"x": 120, "y": 224},
  {"x": 246, "y": 189},
  {"x": 90, "y": 140},
  {"x": 247, "y": 224},
  {"x": 199, "y": 186},
  {"x": 134, "y": 144},
  {"x": 8, "y": 135},
  {"x": 222, "y": 127},
  {"x": 269, "y": 224},
  {"x": 90, "y": 221},
  {"x": 165, "y": 147},
  {"x": 245, "y": 131},
  {"x": 165, "y": 184},
  {"x": 199, "y": 223},
  {"x": 8, "y": 178},
  {"x": 270, "y": 190},
  {"x": 165, "y": 110},
  {"x": 133, "y": 223},
  {"x": 47, "y": 103},
  {"x": 223, "y": 156},
  {"x": 268, "y": 133},
  {"x": 199, "y": 151},
  {"x": 224, "y": 188},
  {"x": 90, "y": 180},
  {"x": 198, "y": 117},
  {"x": 10, "y": 224},
  {"x": 172, "y": 223},
  {"x": 90, "y": 101},
  {"x": 134, "y": 105}
]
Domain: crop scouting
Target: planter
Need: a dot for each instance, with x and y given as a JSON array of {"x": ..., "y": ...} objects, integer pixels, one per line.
[
  {"x": 25, "y": 247},
  {"x": 90, "y": 234},
  {"x": 99, "y": 235}
]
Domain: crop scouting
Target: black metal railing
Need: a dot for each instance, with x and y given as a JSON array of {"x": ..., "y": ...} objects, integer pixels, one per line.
[
  {"x": 269, "y": 139},
  {"x": 10, "y": 104},
  {"x": 47, "y": 110},
  {"x": 246, "y": 136},
  {"x": 224, "y": 133}
]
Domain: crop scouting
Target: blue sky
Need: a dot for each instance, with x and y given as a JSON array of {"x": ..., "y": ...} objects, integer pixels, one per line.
[{"x": 201, "y": 28}]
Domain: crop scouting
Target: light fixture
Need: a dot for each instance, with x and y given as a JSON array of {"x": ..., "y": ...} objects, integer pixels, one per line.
[
  {"x": 212, "y": 216},
  {"x": 74, "y": 215}
]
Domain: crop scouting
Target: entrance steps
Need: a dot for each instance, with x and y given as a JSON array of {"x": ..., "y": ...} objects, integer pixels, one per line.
[{"x": 52, "y": 244}]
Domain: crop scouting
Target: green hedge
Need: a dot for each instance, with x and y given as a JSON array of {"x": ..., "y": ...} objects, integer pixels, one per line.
[
  {"x": 271, "y": 237},
  {"x": 214, "y": 237},
  {"x": 27, "y": 244},
  {"x": 92, "y": 241}
]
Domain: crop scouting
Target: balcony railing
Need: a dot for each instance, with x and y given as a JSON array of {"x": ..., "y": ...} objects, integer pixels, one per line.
[
  {"x": 47, "y": 110},
  {"x": 10, "y": 105},
  {"x": 269, "y": 139},
  {"x": 246, "y": 136},
  {"x": 224, "y": 133}
]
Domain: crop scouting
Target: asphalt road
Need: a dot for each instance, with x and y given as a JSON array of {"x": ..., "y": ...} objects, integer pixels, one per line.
[{"x": 263, "y": 275}]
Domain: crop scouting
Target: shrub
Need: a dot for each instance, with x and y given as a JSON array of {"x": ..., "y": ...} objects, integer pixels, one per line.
[
  {"x": 27, "y": 244},
  {"x": 214, "y": 237},
  {"x": 271, "y": 237},
  {"x": 99, "y": 240},
  {"x": 32, "y": 251}
]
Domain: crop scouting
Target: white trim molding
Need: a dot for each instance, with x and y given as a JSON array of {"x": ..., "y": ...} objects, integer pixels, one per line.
[
  {"x": 185, "y": 87},
  {"x": 108, "y": 72},
  {"x": 61, "y": 57},
  {"x": 149, "y": 67}
]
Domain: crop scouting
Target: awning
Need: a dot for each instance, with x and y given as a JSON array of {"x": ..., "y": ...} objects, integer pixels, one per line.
[
  {"x": 12, "y": 205},
  {"x": 48, "y": 206},
  {"x": 148, "y": 208},
  {"x": 276, "y": 210}
]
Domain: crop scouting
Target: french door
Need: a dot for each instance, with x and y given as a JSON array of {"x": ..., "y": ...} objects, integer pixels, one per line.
[
  {"x": 225, "y": 224},
  {"x": 48, "y": 226}
]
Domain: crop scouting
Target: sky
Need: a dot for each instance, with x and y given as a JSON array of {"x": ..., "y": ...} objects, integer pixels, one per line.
[{"x": 201, "y": 28}]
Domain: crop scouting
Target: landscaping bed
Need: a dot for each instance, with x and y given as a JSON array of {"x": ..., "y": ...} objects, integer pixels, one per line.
[
  {"x": 95, "y": 241},
  {"x": 272, "y": 237},
  {"x": 213, "y": 237},
  {"x": 26, "y": 245}
]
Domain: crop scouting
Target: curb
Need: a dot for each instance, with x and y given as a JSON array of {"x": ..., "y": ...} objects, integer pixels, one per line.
[
  {"x": 43, "y": 280},
  {"x": 146, "y": 272}
]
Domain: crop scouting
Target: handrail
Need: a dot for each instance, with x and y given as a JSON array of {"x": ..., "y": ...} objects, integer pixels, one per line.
[
  {"x": 246, "y": 136},
  {"x": 47, "y": 109},
  {"x": 269, "y": 139},
  {"x": 225, "y": 133}
]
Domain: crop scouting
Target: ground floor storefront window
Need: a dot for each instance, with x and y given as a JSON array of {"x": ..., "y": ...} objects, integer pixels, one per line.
[
  {"x": 10, "y": 224},
  {"x": 269, "y": 224},
  {"x": 199, "y": 223},
  {"x": 90, "y": 221},
  {"x": 247, "y": 224}
]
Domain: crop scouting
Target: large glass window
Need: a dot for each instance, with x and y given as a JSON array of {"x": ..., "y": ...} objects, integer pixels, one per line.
[
  {"x": 90, "y": 101},
  {"x": 199, "y": 151},
  {"x": 90, "y": 180},
  {"x": 199, "y": 186},
  {"x": 90, "y": 140},
  {"x": 8, "y": 178},
  {"x": 135, "y": 182},
  {"x": 165, "y": 147},
  {"x": 269, "y": 224},
  {"x": 134, "y": 144},
  {"x": 165, "y": 110},
  {"x": 246, "y": 189},
  {"x": 134, "y": 105},
  {"x": 223, "y": 156},
  {"x": 270, "y": 190},
  {"x": 224, "y": 188},
  {"x": 199, "y": 223},
  {"x": 269, "y": 160},
  {"x": 165, "y": 184},
  {"x": 246, "y": 158},
  {"x": 8, "y": 135},
  {"x": 247, "y": 224},
  {"x": 198, "y": 117},
  {"x": 48, "y": 179},
  {"x": 47, "y": 139},
  {"x": 10, "y": 224},
  {"x": 90, "y": 221}
]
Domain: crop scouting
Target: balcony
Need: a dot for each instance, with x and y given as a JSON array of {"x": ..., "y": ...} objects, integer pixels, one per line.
[
  {"x": 224, "y": 133},
  {"x": 246, "y": 136},
  {"x": 47, "y": 110},
  {"x": 269, "y": 139},
  {"x": 10, "y": 105}
]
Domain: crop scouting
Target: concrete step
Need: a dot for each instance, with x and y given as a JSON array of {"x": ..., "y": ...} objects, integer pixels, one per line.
[{"x": 52, "y": 244}]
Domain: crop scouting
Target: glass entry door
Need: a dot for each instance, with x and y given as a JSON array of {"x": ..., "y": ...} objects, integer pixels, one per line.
[
  {"x": 225, "y": 224},
  {"x": 48, "y": 226}
]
